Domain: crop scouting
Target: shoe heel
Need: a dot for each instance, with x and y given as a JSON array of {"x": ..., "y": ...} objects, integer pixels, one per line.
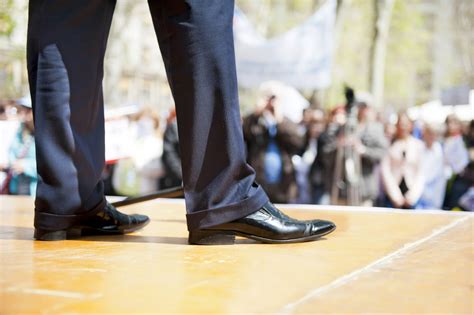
[
  {"x": 210, "y": 238},
  {"x": 46, "y": 235}
]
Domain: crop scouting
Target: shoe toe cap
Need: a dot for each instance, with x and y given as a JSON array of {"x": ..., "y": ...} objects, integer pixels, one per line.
[
  {"x": 322, "y": 227},
  {"x": 139, "y": 218}
]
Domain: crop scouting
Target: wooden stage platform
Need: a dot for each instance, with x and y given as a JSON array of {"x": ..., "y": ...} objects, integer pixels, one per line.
[{"x": 377, "y": 261}]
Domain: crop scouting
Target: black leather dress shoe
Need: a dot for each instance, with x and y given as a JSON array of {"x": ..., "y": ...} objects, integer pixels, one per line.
[
  {"x": 107, "y": 221},
  {"x": 267, "y": 225}
]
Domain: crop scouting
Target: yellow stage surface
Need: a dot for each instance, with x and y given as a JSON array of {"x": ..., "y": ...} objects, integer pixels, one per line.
[{"x": 377, "y": 261}]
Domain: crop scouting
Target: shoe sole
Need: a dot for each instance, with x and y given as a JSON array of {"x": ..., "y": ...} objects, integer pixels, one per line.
[
  {"x": 216, "y": 237},
  {"x": 60, "y": 235}
]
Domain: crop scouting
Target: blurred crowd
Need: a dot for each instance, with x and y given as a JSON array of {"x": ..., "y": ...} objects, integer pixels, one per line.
[
  {"x": 350, "y": 155},
  {"x": 17, "y": 150}
]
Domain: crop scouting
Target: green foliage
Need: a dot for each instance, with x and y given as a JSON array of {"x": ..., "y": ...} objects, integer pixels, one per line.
[
  {"x": 7, "y": 24},
  {"x": 408, "y": 61},
  {"x": 412, "y": 58},
  {"x": 462, "y": 37},
  {"x": 352, "y": 55}
]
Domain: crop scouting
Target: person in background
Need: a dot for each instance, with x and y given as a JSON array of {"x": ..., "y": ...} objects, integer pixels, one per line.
[
  {"x": 371, "y": 144},
  {"x": 3, "y": 111},
  {"x": 389, "y": 131},
  {"x": 140, "y": 173},
  {"x": 307, "y": 116},
  {"x": 433, "y": 170},
  {"x": 272, "y": 140},
  {"x": 418, "y": 127},
  {"x": 456, "y": 160},
  {"x": 322, "y": 171},
  {"x": 9, "y": 108},
  {"x": 314, "y": 122},
  {"x": 466, "y": 202},
  {"x": 402, "y": 167},
  {"x": 3, "y": 157},
  {"x": 8, "y": 129},
  {"x": 469, "y": 138},
  {"x": 171, "y": 157},
  {"x": 22, "y": 177}
]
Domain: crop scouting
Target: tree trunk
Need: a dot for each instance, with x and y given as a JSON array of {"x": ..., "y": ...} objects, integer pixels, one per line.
[
  {"x": 341, "y": 11},
  {"x": 383, "y": 13}
]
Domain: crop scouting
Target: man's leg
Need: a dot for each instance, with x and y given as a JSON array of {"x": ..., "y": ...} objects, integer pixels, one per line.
[
  {"x": 222, "y": 198},
  {"x": 196, "y": 42},
  {"x": 65, "y": 51}
]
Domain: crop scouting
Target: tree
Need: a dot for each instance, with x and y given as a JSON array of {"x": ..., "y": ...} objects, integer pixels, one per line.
[
  {"x": 383, "y": 14},
  {"x": 409, "y": 55},
  {"x": 7, "y": 23}
]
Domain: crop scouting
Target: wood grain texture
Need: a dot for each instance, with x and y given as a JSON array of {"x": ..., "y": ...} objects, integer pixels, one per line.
[{"x": 375, "y": 262}]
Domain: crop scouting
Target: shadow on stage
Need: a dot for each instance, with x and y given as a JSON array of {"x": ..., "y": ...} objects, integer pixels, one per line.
[{"x": 21, "y": 233}]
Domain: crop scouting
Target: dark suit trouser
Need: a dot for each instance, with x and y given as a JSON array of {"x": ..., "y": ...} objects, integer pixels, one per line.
[{"x": 66, "y": 46}]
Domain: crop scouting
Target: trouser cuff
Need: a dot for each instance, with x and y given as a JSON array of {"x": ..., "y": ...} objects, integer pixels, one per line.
[
  {"x": 215, "y": 216},
  {"x": 55, "y": 222}
]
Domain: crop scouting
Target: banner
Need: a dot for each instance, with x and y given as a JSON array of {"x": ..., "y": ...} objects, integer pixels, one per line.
[{"x": 301, "y": 57}]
